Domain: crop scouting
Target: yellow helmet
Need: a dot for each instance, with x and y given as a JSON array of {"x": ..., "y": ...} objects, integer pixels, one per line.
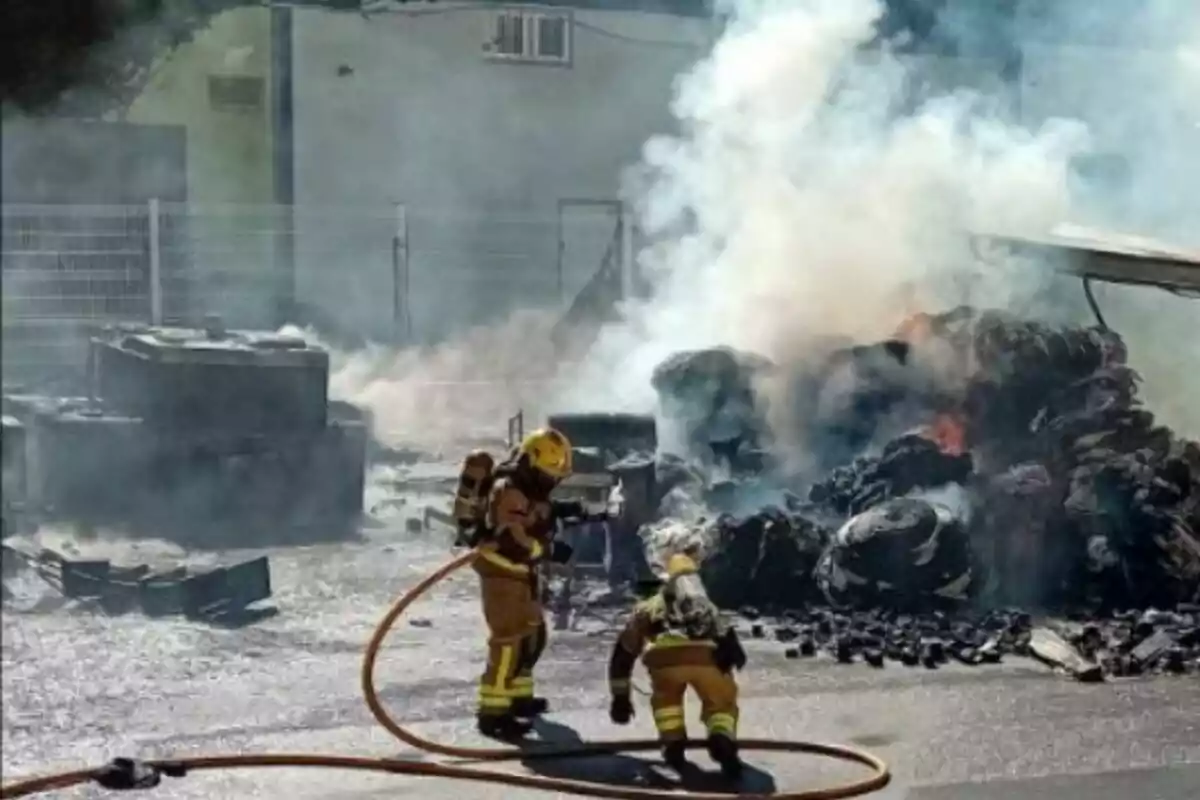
[
  {"x": 680, "y": 564},
  {"x": 548, "y": 451}
]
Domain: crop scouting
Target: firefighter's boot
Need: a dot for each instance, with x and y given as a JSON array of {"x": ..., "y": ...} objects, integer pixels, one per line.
[
  {"x": 724, "y": 750},
  {"x": 525, "y": 704},
  {"x": 675, "y": 754},
  {"x": 529, "y": 707},
  {"x": 504, "y": 727}
]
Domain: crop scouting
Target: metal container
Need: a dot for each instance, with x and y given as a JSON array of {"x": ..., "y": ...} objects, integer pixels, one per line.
[
  {"x": 183, "y": 378},
  {"x": 613, "y": 433},
  {"x": 82, "y": 461},
  {"x": 13, "y": 480},
  {"x": 93, "y": 465},
  {"x": 265, "y": 484}
]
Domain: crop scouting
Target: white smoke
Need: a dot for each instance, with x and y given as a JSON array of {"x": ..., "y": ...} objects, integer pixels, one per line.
[
  {"x": 1134, "y": 71},
  {"x": 954, "y": 498},
  {"x": 801, "y": 203},
  {"x": 817, "y": 189},
  {"x": 695, "y": 538},
  {"x": 450, "y": 396},
  {"x": 1189, "y": 59}
]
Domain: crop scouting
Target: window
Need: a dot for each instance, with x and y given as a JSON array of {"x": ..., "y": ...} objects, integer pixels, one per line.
[
  {"x": 528, "y": 36},
  {"x": 510, "y": 35},
  {"x": 235, "y": 93},
  {"x": 551, "y": 37}
]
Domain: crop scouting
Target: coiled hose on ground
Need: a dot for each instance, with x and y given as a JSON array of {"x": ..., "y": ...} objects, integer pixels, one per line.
[{"x": 878, "y": 778}]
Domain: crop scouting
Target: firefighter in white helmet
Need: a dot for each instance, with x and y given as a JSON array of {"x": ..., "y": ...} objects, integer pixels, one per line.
[{"x": 683, "y": 643}]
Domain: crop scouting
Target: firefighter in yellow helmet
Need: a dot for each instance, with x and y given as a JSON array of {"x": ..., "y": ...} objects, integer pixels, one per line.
[
  {"x": 518, "y": 537},
  {"x": 683, "y": 643}
]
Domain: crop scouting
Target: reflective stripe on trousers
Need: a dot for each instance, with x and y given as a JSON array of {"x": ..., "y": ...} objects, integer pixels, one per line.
[
  {"x": 669, "y": 719},
  {"x": 722, "y": 723},
  {"x": 496, "y": 686},
  {"x": 717, "y": 691}
]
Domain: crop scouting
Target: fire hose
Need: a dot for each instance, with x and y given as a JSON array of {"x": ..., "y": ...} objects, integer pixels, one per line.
[{"x": 130, "y": 774}]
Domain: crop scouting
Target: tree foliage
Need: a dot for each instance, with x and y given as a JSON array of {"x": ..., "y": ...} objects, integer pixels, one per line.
[{"x": 85, "y": 57}]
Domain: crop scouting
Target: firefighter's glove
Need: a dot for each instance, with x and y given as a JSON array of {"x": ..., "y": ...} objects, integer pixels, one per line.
[
  {"x": 468, "y": 536},
  {"x": 729, "y": 654},
  {"x": 561, "y": 552},
  {"x": 568, "y": 509},
  {"x": 621, "y": 710}
]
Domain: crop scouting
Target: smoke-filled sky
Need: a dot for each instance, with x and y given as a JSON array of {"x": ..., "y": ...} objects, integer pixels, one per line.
[
  {"x": 801, "y": 201},
  {"x": 816, "y": 188},
  {"x": 814, "y": 192}
]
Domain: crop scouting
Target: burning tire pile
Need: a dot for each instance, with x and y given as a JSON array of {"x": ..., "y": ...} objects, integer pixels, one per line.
[{"x": 978, "y": 462}]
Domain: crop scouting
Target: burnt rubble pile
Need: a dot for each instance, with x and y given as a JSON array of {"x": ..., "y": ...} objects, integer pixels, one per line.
[
  {"x": 907, "y": 464},
  {"x": 1123, "y": 645},
  {"x": 1066, "y": 493},
  {"x": 765, "y": 559},
  {"x": 710, "y": 397},
  {"x": 1066, "y": 447}
]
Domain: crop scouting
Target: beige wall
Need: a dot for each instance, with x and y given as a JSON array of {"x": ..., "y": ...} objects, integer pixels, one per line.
[
  {"x": 228, "y": 150},
  {"x": 409, "y": 108}
]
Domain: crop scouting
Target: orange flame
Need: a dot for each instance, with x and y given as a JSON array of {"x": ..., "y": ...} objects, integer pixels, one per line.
[
  {"x": 916, "y": 328},
  {"x": 948, "y": 433}
]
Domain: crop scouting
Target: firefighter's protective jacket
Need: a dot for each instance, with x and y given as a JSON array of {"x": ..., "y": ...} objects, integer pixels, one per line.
[
  {"x": 649, "y": 635},
  {"x": 519, "y": 530}
]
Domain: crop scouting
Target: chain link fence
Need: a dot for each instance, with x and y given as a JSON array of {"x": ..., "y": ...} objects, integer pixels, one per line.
[
  {"x": 398, "y": 274},
  {"x": 65, "y": 270}
]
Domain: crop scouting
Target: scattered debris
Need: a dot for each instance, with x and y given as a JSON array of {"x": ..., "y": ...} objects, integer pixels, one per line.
[
  {"x": 1051, "y": 648},
  {"x": 1123, "y": 645},
  {"x": 223, "y": 596}
]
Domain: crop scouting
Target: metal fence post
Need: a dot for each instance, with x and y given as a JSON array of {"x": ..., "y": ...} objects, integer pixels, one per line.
[
  {"x": 560, "y": 257},
  {"x": 627, "y": 267},
  {"x": 155, "y": 276},
  {"x": 401, "y": 307}
]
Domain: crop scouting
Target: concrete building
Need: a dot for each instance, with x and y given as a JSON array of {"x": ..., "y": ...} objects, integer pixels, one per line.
[
  {"x": 476, "y": 119},
  {"x": 217, "y": 87},
  {"x": 220, "y": 253}
]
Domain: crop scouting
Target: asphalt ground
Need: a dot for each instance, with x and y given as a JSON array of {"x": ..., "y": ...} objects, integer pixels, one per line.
[{"x": 79, "y": 689}]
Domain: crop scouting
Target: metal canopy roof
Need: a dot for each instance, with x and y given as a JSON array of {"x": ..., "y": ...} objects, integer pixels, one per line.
[{"x": 1109, "y": 257}]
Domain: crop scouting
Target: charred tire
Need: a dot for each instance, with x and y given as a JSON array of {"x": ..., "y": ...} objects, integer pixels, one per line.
[{"x": 903, "y": 553}]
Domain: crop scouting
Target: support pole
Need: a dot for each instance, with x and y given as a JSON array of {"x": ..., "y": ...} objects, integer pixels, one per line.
[
  {"x": 155, "y": 252},
  {"x": 283, "y": 161},
  {"x": 401, "y": 306},
  {"x": 628, "y": 287},
  {"x": 560, "y": 297}
]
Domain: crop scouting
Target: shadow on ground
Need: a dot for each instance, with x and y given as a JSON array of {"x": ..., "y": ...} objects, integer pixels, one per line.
[{"x": 645, "y": 773}]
